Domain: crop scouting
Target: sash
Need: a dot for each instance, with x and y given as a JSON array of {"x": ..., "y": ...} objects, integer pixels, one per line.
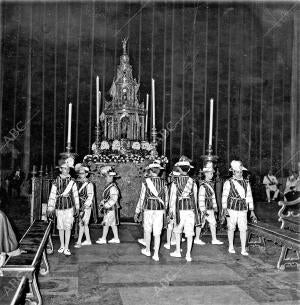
[
  {"x": 271, "y": 182},
  {"x": 153, "y": 190},
  {"x": 67, "y": 190},
  {"x": 188, "y": 188},
  {"x": 82, "y": 187},
  {"x": 207, "y": 184},
  {"x": 108, "y": 187},
  {"x": 241, "y": 191}
]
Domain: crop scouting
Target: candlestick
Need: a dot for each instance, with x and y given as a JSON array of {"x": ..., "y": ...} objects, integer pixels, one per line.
[
  {"x": 211, "y": 122},
  {"x": 147, "y": 109},
  {"x": 165, "y": 142},
  {"x": 69, "y": 124},
  {"x": 97, "y": 101},
  {"x": 153, "y": 103}
]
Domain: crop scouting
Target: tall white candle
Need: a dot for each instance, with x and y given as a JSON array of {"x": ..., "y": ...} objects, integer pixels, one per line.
[
  {"x": 153, "y": 103},
  {"x": 211, "y": 115},
  {"x": 69, "y": 123},
  {"x": 97, "y": 100},
  {"x": 165, "y": 142},
  {"x": 147, "y": 109},
  {"x": 99, "y": 94}
]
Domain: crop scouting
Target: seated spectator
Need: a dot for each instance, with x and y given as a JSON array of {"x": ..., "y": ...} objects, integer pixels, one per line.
[
  {"x": 8, "y": 240},
  {"x": 290, "y": 182},
  {"x": 271, "y": 185}
]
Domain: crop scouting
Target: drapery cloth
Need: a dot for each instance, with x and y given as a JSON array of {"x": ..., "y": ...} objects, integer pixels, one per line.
[{"x": 8, "y": 240}]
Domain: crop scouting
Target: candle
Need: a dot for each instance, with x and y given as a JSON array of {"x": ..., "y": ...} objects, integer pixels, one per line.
[
  {"x": 69, "y": 123},
  {"x": 97, "y": 100},
  {"x": 165, "y": 142},
  {"x": 99, "y": 94},
  {"x": 211, "y": 114},
  {"x": 153, "y": 104},
  {"x": 147, "y": 106}
]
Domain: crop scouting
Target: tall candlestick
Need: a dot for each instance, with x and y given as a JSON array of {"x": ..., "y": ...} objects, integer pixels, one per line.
[
  {"x": 211, "y": 114},
  {"x": 165, "y": 142},
  {"x": 147, "y": 109},
  {"x": 69, "y": 123},
  {"x": 98, "y": 100},
  {"x": 153, "y": 104},
  {"x": 99, "y": 107}
]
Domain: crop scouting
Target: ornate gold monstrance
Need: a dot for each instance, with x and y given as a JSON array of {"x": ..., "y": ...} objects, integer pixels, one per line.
[{"x": 124, "y": 144}]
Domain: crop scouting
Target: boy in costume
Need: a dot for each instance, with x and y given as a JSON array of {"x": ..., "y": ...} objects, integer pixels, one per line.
[
  {"x": 207, "y": 205},
  {"x": 86, "y": 197},
  {"x": 153, "y": 203},
  {"x": 64, "y": 200},
  {"x": 236, "y": 200},
  {"x": 171, "y": 223},
  {"x": 110, "y": 205},
  {"x": 183, "y": 206}
]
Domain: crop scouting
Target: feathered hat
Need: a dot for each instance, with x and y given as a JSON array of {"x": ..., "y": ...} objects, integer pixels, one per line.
[
  {"x": 184, "y": 161},
  {"x": 237, "y": 165}
]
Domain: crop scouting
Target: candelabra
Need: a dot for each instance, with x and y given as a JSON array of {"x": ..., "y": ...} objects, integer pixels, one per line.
[
  {"x": 209, "y": 157},
  {"x": 97, "y": 142},
  {"x": 68, "y": 152},
  {"x": 154, "y": 152}
]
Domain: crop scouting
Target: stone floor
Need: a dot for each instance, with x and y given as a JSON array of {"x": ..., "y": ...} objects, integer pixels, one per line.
[{"x": 119, "y": 274}]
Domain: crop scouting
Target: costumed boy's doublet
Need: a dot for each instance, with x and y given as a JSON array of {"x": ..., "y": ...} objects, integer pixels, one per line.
[
  {"x": 237, "y": 199},
  {"x": 153, "y": 203},
  {"x": 183, "y": 204},
  {"x": 172, "y": 177},
  {"x": 111, "y": 204},
  {"x": 86, "y": 197},
  {"x": 207, "y": 201},
  {"x": 63, "y": 198}
]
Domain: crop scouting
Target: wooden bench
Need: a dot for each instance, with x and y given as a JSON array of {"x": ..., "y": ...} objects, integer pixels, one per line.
[
  {"x": 12, "y": 290},
  {"x": 287, "y": 236},
  {"x": 33, "y": 259}
]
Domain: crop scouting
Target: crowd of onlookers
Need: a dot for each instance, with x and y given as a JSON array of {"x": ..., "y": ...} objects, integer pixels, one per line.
[{"x": 289, "y": 190}]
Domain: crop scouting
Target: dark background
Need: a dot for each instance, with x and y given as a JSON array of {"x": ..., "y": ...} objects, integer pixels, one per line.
[{"x": 239, "y": 53}]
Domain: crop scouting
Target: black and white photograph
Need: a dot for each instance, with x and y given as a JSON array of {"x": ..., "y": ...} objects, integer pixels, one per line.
[{"x": 149, "y": 152}]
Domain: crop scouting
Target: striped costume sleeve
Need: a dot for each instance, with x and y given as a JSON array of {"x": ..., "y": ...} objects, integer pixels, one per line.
[
  {"x": 201, "y": 198},
  {"x": 172, "y": 199},
  {"x": 141, "y": 199},
  {"x": 226, "y": 190},
  {"x": 195, "y": 193},
  {"x": 215, "y": 206},
  {"x": 249, "y": 198},
  {"x": 166, "y": 196},
  {"x": 90, "y": 195},
  {"x": 113, "y": 197},
  {"x": 75, "y": 195},
  {"x": 52, "y": 198}
]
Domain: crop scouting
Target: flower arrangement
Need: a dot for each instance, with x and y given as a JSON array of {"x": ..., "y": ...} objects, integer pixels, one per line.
[
  {"x": 163, "y": 160},
  {"x": 116, "y": 145},
  {"x": 136, "y": 146},
  {"x": 139, "y": 152},
  {"x": 145, "y": 146},
  {"x": 104, "y": 145},
  {"x": 94, "y": 146}
]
